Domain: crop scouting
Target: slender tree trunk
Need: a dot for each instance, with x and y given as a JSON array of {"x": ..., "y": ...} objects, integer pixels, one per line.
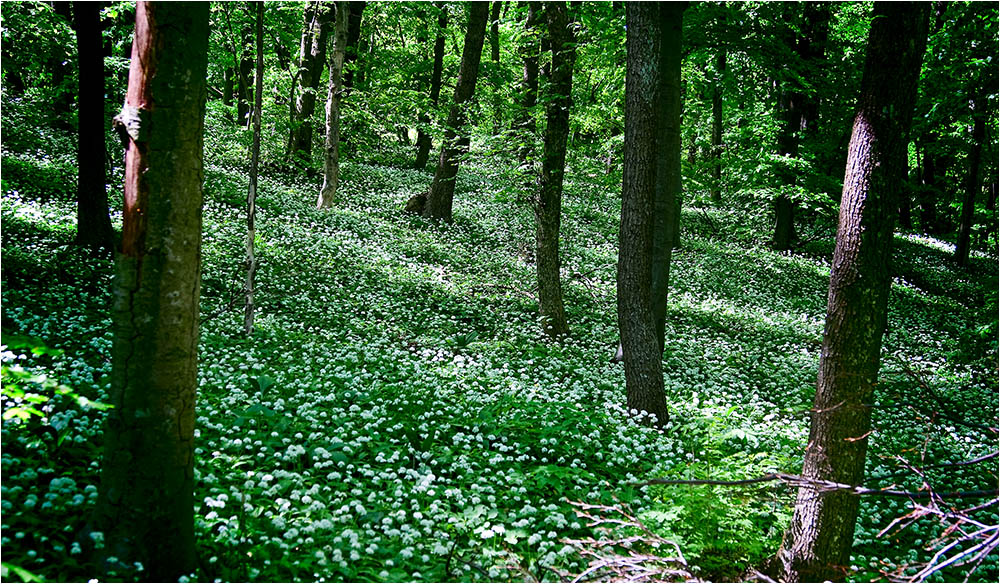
[
  {"x": 818, "y": 542},
  {"x": 243, "y": 96},
  {"x": 93, "y": 223},
  {"x": 927, "y": 195},
  {"x": 228, "y": 86},
  {"x": 548, "y": 203},
  {"x": 331, "y": 167},
  {"x": 312, "y": 57},
  {"x": 251, "y": 261},
  {"x": 353, "y": 44},
  {"x": 529, "y": 82},
  {"x": 495, "y": 72},
  {"x": 972, "y": 182},
  {"x": 145, "y": 508},
  {"x": 788, "y": 146},
  {"x": 442, "y": 192},
  {"x": 648, "y": 25},
  {"x": 720, "y": 68},
  {"x": 666, "y": 206},
  {"x": 423, "y": 137}
]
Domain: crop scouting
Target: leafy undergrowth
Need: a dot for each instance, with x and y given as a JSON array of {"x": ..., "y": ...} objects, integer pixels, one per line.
[{"x": 397, "y": 416}]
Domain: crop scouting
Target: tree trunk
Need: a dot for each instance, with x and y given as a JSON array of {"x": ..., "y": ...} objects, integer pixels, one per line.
[
  {"x": 353, "y": 49},
  {"x": 972, "y": 182},
  {"x": 548, "y": 203},
  {"x": 251, "y": 261},
  {"x": 818, "y": 542},
  {"x": 423, "y": 137},
  {"x": 790, "y": 113},
  {"x": 666, "y": 207},
  {"x": 647, "y": 26},
  {"x": 529, "y": 82},
  {"x": 331, "y": 166},
  {"x": 720, "y": 68},
  {"x": 495, "y": 71},
  {"x": 228, "y": 85},
  {"x": 146, "y": 503},
  {"x": 928, "y": 193},
  {"x": 243, "y": 84},
  {"x": 93, "y": 223},
  {"x": 442, "y": 192},
  {"x": 312, "y": 57}
]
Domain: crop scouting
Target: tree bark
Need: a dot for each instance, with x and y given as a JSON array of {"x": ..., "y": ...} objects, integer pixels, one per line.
[
  {"x": 548, "y": 203},
  {"x": 442, "y": 192},
  {"x": 972, "y": 182},
  {"x": 423, "y": 137},
  {"x": 243, "y": 96},
  {"x": 495, "y": 71},
  {"x": 928, "y": 193},
  {"x": 145, "y": 508},
  {"x": 645, "y": 80},
  {"x": 818, "y": 542},
  {"x": 529, "y": 82},
  {"x": 352, "y": 50},
  {"x": 666, "y": 206},
  {"x": 251, "y": 261},
  {"x": 312, "y": 57},
  {"x": 228, "y": 86},
  {"x": 331, "y": 166},
  {"x": 720, "y": 68},
  {"x": 93, "y": 223}
]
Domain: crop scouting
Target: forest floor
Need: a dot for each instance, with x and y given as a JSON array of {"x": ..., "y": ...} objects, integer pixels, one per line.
[{"x": 397, "y": 415}]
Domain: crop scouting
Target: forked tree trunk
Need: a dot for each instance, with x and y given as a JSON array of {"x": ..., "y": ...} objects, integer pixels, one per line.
[
  {"x": 972, "y": 183},
  {"x": 145, "y": 508},
  {"x": 312, "y": 57},
  {"x": 548, "y": 203},
  {"x": 423, "y": 136},
  {"x": 251, "y": 260},
  {"x": 331, "y": 166},
  {"x": 93, "y": 223},
  {"x": 818, "y": 542},
  {"x": 442, "y": 191}
]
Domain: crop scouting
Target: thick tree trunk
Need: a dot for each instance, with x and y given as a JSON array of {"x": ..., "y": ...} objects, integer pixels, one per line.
[
  {"x": 93, "y": 223},
  {"x": 251, "y": 261},
  {"x": 495, "y": 71},
  {"x": 548, "y": 203},
  {"x": 312, "y": 57},
  {"x": 146, "y": 502},
  {"x": 442, "y": 192},
  {"x": 818, "y": 542},
  {"x": 720, "y": 69},
  {"x": 423, "y": 137},
  {"x": 331, "y": 166},
  {"x": 644, "y": 84},
  {"x": 972, "y": 183},
  {"x": 529, "y": 50}
]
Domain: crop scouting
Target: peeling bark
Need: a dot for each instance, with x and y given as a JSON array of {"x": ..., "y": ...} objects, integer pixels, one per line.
[{"x": 145, "y": 507}]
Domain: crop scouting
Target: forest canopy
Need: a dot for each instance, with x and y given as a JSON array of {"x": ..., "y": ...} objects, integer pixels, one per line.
[{"x": 499, "y": 291}]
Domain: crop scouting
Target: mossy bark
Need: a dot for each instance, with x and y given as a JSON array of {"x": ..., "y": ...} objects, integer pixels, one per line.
[{"x": 312, "y": 57}]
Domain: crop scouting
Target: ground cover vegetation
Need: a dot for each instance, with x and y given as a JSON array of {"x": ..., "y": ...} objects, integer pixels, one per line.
[{"x": 405, "y": 406}]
